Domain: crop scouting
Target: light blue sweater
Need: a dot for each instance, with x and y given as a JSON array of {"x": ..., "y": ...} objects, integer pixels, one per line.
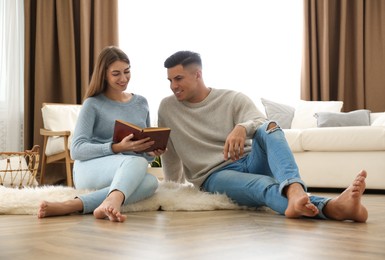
[{"x": 92, "y": 137}]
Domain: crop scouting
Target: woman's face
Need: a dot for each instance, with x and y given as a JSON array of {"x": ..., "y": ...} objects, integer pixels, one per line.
[{"x": 118, "y": 76}]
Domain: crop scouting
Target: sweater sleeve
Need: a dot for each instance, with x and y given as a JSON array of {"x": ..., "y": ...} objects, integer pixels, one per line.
[
  {"x": 83, "y": 147},
  {"x": 246, "y": 114},
  {"x": 172, "y": 165}
]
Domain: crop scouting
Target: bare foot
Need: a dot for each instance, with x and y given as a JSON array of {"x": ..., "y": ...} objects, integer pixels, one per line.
[
  {"x": 47, "y": 209},
  {"x": 110, "y": 208},
  {"x": 348, "y": 206},
  {"x": 299, "y": 204}
]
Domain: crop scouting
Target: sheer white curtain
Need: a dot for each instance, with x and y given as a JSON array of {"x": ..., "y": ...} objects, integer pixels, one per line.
[
  {"x": 253, "y": 46},
  {"x": 11, "y": 74}
]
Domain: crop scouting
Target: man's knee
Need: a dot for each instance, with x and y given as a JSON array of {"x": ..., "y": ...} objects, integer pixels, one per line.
[{"x": 271, "y": 125}]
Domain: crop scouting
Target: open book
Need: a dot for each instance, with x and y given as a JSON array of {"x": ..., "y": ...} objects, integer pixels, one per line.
[{"x": 158, "y": 134}]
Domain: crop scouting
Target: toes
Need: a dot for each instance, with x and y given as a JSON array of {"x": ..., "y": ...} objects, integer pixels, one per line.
[
  {"x": 313, "y": 208},
  {"x": 113, "y": 214},
  {"x": 362, "y": 174},
  {"x": 109, "y": 214}
]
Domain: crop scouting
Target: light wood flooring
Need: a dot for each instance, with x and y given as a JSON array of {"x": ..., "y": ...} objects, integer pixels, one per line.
[{"x": 195, "y": 235}]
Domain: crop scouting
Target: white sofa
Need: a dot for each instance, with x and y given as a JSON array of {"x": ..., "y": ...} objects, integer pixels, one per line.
[
  {"x": 328, "y": 157},
  {"x": 331, "y": 156}
]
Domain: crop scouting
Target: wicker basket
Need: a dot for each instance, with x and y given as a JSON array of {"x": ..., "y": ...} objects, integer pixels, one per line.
[{"x": 19, "y": 169}]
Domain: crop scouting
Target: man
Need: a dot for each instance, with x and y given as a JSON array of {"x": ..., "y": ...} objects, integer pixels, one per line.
[{"x": 221, "y": 143}]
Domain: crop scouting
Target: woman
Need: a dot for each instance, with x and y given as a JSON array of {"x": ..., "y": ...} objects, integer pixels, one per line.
[{"x": 117, "y": 171}]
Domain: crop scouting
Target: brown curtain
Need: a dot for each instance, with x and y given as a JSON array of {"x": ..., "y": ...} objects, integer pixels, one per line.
[
  {"x": 62, "y": 41},
  {"x": 344, "y": 53}
]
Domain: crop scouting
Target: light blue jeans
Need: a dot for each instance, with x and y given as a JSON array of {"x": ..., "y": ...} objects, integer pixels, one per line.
[
  {"x": 258, "y": 179},
  {"x": 125, "y": 173}
]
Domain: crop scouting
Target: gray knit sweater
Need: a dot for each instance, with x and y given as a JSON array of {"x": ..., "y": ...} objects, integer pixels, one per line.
[{"x": 199, "y": 132}]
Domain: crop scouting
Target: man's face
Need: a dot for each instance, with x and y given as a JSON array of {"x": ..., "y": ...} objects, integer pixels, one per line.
[{"x": 184, "y": 82}]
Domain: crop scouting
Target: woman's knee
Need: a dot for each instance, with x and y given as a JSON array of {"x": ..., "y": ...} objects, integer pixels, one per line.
[{"x": 135, "y": 162}]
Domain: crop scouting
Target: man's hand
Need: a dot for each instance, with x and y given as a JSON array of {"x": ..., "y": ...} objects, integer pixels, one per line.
[
  {"x": 158, "y": 152},
  {"x": 235, "y": 143}
]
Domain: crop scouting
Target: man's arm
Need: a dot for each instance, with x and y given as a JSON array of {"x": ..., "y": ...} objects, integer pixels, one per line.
[
  {"x": 172, "y": 165},
  {"x": 247, "y": 118}
]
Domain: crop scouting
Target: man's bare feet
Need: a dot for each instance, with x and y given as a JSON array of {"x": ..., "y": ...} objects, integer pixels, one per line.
[
  {"x": 299, "y": 204},
  {"x": 47, "y": 209},
  {"x": 348, "y": 206},
  {"x": 110, "y": 208}
]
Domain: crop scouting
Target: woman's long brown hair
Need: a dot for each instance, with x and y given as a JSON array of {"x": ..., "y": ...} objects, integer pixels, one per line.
[{"x": 107, "y": 56}]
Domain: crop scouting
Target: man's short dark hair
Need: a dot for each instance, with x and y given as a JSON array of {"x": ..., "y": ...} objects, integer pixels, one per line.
[{"x": 183, "y": 58}]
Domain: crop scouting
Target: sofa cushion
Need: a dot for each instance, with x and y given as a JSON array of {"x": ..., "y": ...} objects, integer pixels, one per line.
[
  {"x": 354, "y": 118},
  {"x": 305, "y": 110},
  {"x": 55, "y": 145},
  {"x": 281, "y": 113},
  {"x": 293, "y": 138},
  {"x": 354, "y": 138},
  {"x": 377, "y": 119}
]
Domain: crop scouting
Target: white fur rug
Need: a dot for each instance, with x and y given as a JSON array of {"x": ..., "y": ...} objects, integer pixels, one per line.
[{"x": 169, "y": 197}]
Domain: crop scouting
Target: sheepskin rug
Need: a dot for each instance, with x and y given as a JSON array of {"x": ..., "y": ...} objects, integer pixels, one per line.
[{"x": 169, "y": 197}]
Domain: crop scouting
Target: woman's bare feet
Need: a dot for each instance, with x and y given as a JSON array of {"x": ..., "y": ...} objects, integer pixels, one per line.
[
  {"x": 347, "y": 206},
  {"x": 110, "y": 207},
  {"x": 47, "y": 209},
  {"x": 299, "y": 204}
]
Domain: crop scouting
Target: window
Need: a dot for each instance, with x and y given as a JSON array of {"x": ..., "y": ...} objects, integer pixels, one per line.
[
  {"x": 253, "y": 46},
  {"x": 11, "y": 74}
]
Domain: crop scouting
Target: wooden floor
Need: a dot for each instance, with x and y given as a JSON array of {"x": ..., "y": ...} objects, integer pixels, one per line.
[{"x": 195, "y": 235}]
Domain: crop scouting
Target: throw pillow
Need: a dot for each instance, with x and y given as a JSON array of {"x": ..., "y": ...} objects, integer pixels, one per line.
[
  {"x": 304, "y": 112},
  {"x": 282, "y": 114},
  {"x": 60, "y": 117},
  {"x": 353, "y": 118}
]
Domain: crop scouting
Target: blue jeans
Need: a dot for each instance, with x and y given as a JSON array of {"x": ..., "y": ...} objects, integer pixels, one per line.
[
  {"x": 258, "y": 179},
  {"x": 125, "y": 173}
]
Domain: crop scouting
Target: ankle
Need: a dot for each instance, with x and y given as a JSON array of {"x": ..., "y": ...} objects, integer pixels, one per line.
[
  {"x": 293, "y": 190},
  {"x": 116, "y": 195}
]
